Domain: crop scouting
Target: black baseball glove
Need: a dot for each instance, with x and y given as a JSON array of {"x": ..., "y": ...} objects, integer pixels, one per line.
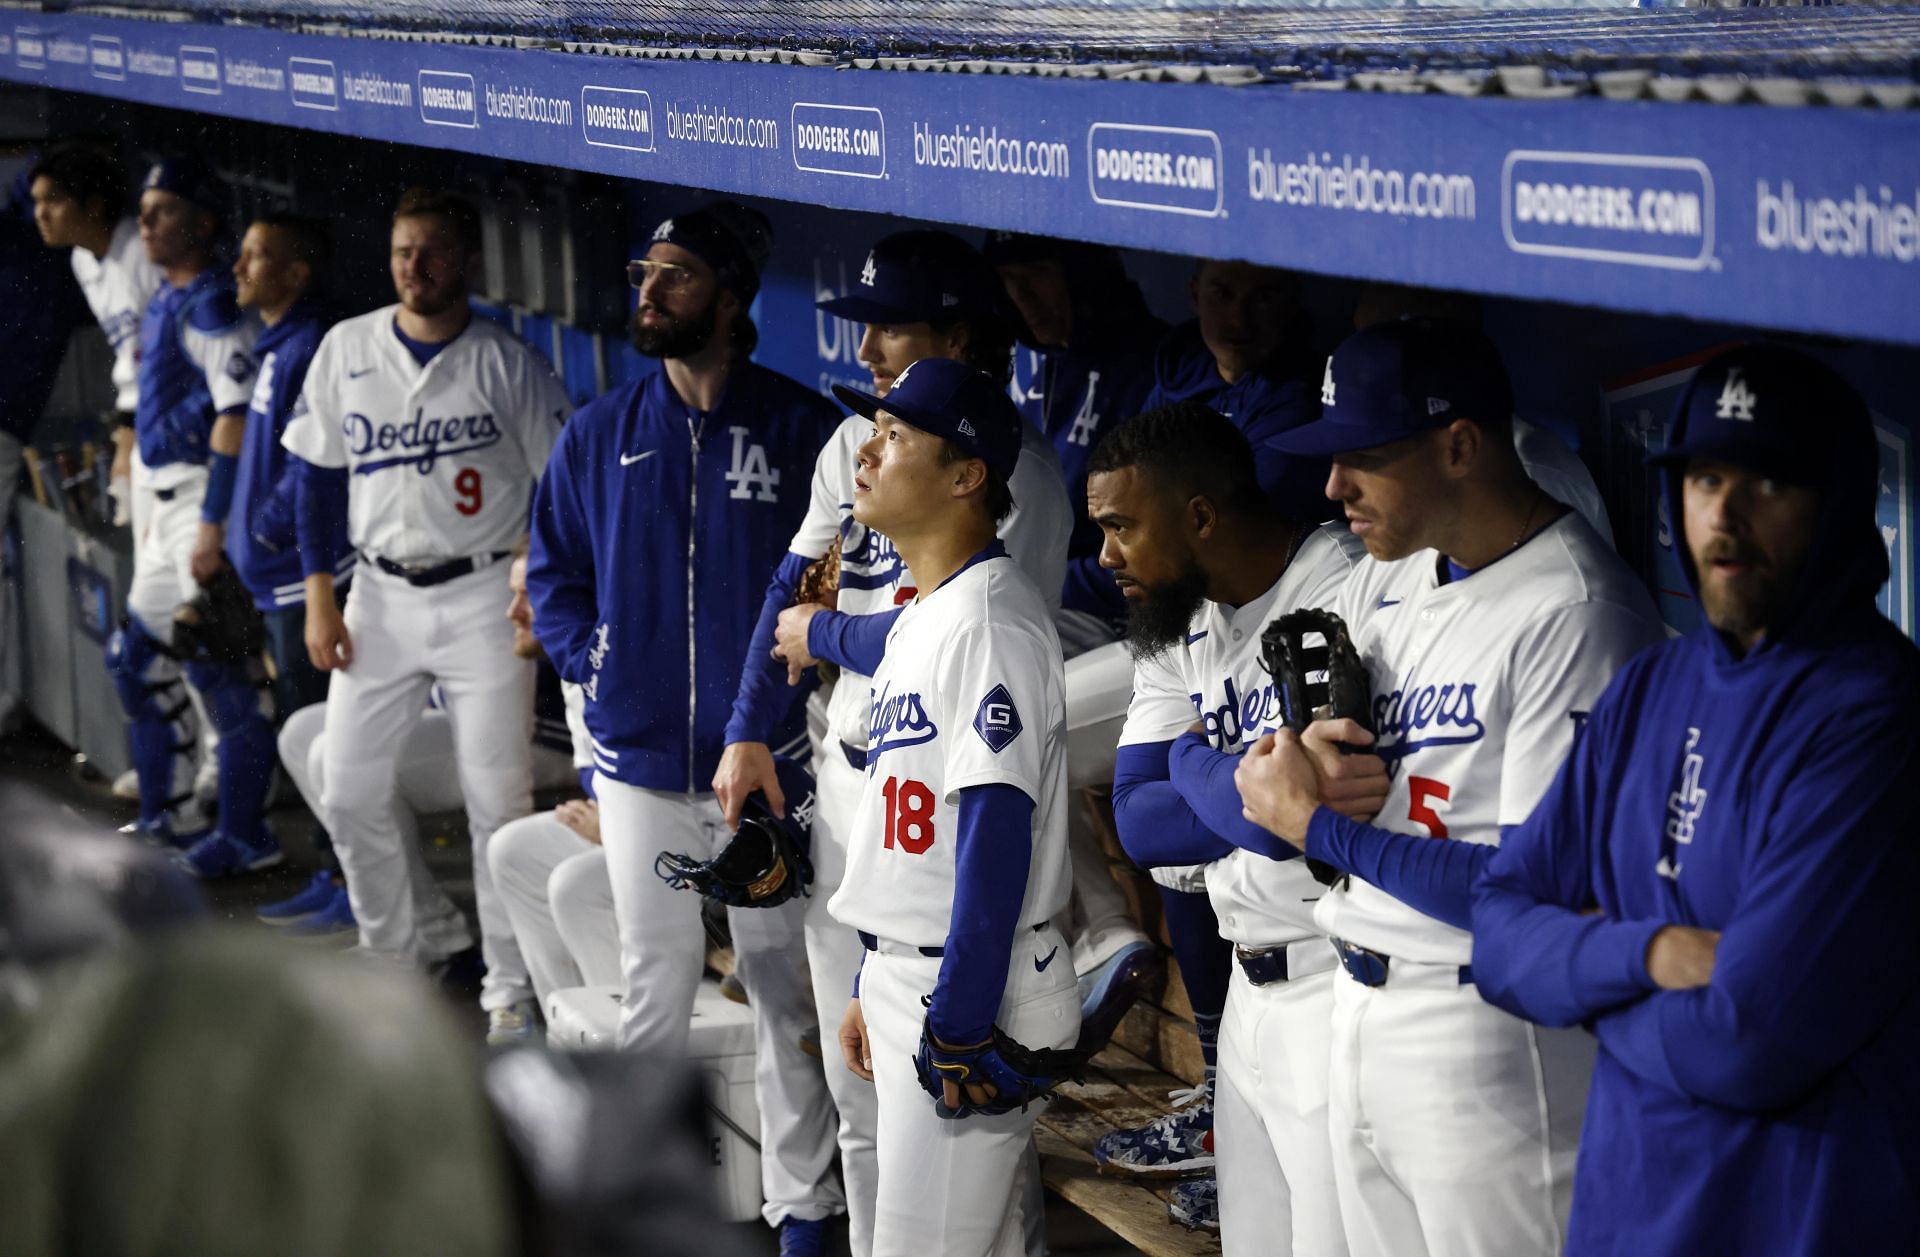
[
  {"x": 1316, "y": 682},
  {"x": 220, "y": 622},
  {"x": 1019, "y": 1074},
  {"x": 763, "y": 865}
]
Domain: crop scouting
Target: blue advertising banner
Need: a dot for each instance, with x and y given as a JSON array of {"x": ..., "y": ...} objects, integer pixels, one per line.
[{"x": 1803, "y": 219}]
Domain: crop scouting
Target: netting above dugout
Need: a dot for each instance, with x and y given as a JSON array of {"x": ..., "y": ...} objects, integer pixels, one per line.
[{"x": 1265, "y": 36}]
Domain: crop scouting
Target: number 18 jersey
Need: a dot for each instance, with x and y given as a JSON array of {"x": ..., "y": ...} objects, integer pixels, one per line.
[{"x": 972, "y": 691}]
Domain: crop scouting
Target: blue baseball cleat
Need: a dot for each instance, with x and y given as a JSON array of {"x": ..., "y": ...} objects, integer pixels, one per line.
[
  {"x": 318, "y": 894},
  {"x": 329, "y": 923},
  {"x": 803, "y": 1237},
  {"x": 1195, "y": 1204},
  {"x": 1170, "y": 1146},
  {"x": 1110, "y": 990},
  {"x": 217, "y": 855}
]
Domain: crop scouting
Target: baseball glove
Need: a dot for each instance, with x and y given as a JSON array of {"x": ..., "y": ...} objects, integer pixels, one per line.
[
  {"x": 766, "y": 861},
  {"x": 1323, "y": 682},
  {"x": 820, "y": 583},
  {"x": 1020, "y": 1075},
  {"x": 219, "y": 623}
]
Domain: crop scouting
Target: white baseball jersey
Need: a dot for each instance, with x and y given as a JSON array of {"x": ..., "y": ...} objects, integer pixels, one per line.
[
  {"x": 118, "y": 286},
  {"x": 871, "y": 574},
  {"x": 1479, "y": 687},
  {"x": 1554, "y": 465},
  {"x": 972, "y": 692},
  {"x": 444, "y": 457},
  {"x": 1217, "y": 677}
]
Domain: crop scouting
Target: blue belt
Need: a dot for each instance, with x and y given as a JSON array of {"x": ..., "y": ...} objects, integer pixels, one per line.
[
  {"x": 1369, "y": 967},
  {"x": 1264, "y": 967},
  {"x": 166, "y": 495},
  {"x": 439, "y": 574},
  {"x": 872, "y": 942},
  {"x": 855, "y": 757}
]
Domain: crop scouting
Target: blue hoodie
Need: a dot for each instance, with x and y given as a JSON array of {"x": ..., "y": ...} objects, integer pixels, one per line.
[
  {"x": 1777, "y": 1109},
  {"x": 648, "y": 554},
  {"x": 1280, "y": 396}
]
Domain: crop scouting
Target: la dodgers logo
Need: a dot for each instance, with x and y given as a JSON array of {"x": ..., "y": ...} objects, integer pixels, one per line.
[
  {"x": 751, "y": 476},
  {"x": 898, "y": 721},
  {"x": 1326, "y": 385},
  {"x": 663, "y": 232},
  {"x": 262, "y": 399},
  {"x": 1736, "y": 400},
  {"x": 1087, "y": 420},
  {"x": 1684, "y": 806},
  {"x": 1414, "y": 716},
  {"x": 420, "y": 442},
  {"x": 867, "y": 275}
]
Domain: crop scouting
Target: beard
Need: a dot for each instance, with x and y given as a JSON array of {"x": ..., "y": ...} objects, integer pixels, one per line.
[
  {"x": 1757, "y": 607},
  {"x": 1159, "y": 620},
  {"x": 676, "y": 338}
]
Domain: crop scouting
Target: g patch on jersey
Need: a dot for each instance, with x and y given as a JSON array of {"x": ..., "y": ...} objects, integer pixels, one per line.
[{"x": 998, "y": 721}]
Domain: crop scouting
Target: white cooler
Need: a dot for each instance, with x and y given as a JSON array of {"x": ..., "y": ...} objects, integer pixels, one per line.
[{"x": 720, "y": 1045}]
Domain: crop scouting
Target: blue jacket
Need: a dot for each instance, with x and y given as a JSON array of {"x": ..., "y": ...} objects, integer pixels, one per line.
[
  {"x": 1777, "y": 1109},
  {"x": 196, "y": 362},
  {"x": 648, "y": 560},
  {"x": 1279, "y": 396},
  {"x": 43, "y": 307},
  {"x": 261, "y": 542}
]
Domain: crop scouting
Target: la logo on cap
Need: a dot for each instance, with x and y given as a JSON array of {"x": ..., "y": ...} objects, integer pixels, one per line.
[
  {"x": 900, "y": 379},
  {"x": 1736, "y": 399},
  {"x": 867, "y": 276},
  {"x": 1326, "y": 385},
  {"x": 664, "y": 231}
]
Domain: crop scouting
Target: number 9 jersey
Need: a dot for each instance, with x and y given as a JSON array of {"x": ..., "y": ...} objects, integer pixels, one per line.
[
  {"x": 972, "y": 692},
  {"x": 443, "y": 456}
]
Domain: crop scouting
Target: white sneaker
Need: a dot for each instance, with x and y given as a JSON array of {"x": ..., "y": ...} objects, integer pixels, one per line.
[
  {"x": 127, "y": 786},
  {"x": 517, "y": 1023}
]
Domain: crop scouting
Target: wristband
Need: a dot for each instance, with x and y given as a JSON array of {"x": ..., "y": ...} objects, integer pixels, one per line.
[{"x": 222, "y": 471}]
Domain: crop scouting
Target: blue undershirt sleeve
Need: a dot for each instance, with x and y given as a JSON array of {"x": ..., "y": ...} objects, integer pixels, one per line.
[
  {"x": 1204, "y": 778},
  {"x": 992, "y": 850},
  {"x": 222, "y": 471},
  {"x": 1433, "y": 875},
  {"x": 855, "y": 642},
  {"x": 320, "y": 503},
  {"x": 1157, "y": 827},
  {"x": 764, "y": 694}
]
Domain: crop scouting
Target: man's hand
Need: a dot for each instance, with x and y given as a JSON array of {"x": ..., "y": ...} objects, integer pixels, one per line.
[
  {"x": 790, "y": 639},
  {"x": 329, "y": 645},
  {"x": 1278, "y": 786},
  {"x": 978, "y": 1093},
  {"x": 1352, "y": 785},
  {"x": 855, "y": 1048},
  {"x": 1681, "y": 957},
  {"x": 582, "y": 816},
  {"x": 207, "y": 556},
  {"x": 744, "y": 768}
]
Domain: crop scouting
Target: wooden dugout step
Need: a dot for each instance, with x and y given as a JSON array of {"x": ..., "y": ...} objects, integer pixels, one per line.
[{"x": 1121, "y": 1091}]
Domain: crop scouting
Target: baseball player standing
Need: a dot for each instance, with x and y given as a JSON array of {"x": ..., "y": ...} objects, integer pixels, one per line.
[
  {"x": 196, "y": 374},
  {"x": 1720, "y": 882},
  {"x": 659, "y": 500},
  {"x": 430, "y": 426},
  {"x": 1489, "y": 617},
  {"x": 957, "y": 857},
  {"x": 1207, "y": 563},
  {"x": 921, "y": 294}
]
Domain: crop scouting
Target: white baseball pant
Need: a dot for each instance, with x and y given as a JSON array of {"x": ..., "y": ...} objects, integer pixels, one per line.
[
  {"x": 955, "y": 1188},
  {"x": 1274, "y": 1162},
  {"x": 164, "y": 534},
  {"x": 1454, "y": 1124},
  {"x": 405, "y": 639},
  {"x": 662, "y": 946},
  {"x": 1099, "y": 686},
  {"x": 557, "y": 894}
]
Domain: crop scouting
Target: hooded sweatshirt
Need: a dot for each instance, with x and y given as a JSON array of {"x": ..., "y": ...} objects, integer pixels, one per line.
[{"x": 1777, "y": 1109}]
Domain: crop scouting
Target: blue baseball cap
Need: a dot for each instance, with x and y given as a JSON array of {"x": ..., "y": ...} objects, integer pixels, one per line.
[
  {"x": 1764, "y": 407},
  {"x": 1395, "y": 380},
  {"x": 953, "y": 400},
  {"x": 919, "y": 277},
  {"x": 734, "y": 239},
  {"x": 190, "y": 179}
]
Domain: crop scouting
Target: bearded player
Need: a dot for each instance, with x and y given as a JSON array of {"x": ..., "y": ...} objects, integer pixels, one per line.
[{"x": 957, "y": 857}]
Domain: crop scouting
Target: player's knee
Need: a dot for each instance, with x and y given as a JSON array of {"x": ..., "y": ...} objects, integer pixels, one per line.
[
  {"x": 508, "y": 852},
  {"x": 137, "y": 662},
  {"x": 232, "y": 702},
  {"x": 300, "y": 735},
  {"x": 357, "y": 794},
  {"x": 580, "y": 881}
]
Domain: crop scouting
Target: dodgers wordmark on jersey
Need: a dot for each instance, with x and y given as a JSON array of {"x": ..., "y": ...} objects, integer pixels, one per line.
[
  {"x": 972, "y": 692},
  {"x": 443, "y": 457},
  {"x": 118, "y": 285},
  {"x": 1479, "y": 688},
  {"x": 871, "y": 574},
  {"x": 1217, "y": 678}
]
